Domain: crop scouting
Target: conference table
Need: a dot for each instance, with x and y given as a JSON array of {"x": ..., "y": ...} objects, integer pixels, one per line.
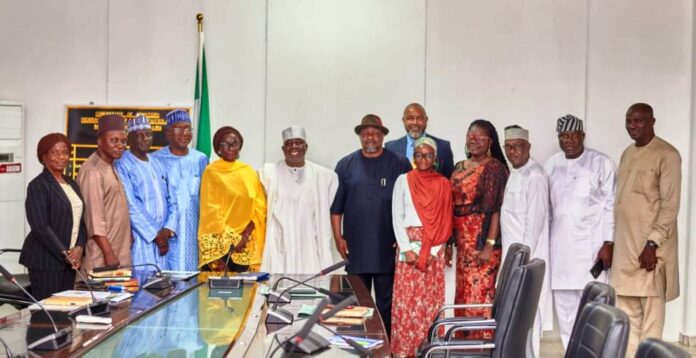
[{"x": 191, "y": 320}]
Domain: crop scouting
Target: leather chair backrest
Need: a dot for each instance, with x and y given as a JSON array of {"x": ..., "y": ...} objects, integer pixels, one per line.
[
  {"x": 595, "y": 292},
  {"x": 516, "y": 256},
  {"x": 655, "y": 348},
  {"x": 602, "y": 332},
  {"x": 517, "y": 309}
]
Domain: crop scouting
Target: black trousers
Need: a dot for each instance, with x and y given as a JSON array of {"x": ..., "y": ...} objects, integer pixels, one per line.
[
  {"x": 46, "y": 283},
  {"x": 384, "y": 286}
]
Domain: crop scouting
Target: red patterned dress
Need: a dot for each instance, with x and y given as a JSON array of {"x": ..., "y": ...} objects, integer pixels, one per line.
[
  {"x": 412, "y": 310},
  {"x": 477, "y": 193}
]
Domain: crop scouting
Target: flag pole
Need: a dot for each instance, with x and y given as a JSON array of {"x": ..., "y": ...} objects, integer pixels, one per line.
[{"x": 199, "y": 81}]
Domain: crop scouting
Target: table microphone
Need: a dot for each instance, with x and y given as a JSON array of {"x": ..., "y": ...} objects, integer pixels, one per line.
[
  {"x": 96, "y": 308},
  {"x": 282, "y": 297},
  {"x": 54, "y": 341},
  {"x": 224, "y": 281},
  {"x": 276, "y": 315},
  {"x": 323, "y": 291},
  {"x": 304, "y": 341}
]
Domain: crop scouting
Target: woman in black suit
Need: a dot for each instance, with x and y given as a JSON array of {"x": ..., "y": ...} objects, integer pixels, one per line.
[{"x": 54, "y": 211}]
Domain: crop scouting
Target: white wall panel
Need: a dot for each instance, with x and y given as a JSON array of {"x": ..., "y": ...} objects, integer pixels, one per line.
[
  {"x": 153, "y": 49},
  {"x": 53, "y": 53},
  {"x": 510, "y": 62},
  {"x": 331, "y": 62},
  {"x": 640, "y": 51}
]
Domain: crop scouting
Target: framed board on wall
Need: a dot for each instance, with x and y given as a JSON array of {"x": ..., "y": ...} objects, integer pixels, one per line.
[{"x": 81, "y": 128}]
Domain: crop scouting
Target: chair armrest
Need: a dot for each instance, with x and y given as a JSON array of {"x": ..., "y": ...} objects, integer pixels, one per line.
[
  {"x": 432, "y": 348},
  {"x": 432, "y": 332},
  {"x": 445, "y": 308},
  {"x": 469, "y": 326},
  {"x": 2, "y": 251}
]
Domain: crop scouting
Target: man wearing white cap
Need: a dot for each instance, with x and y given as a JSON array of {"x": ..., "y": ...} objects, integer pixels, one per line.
[
  {"x": 152, "y": 219},
  {"x": 524, "y": 216},
  {"x": 299, "y": 193},
  {"x": 582, "y": 190}
]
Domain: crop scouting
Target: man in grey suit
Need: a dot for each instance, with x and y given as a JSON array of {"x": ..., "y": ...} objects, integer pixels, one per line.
[{"x": 415, "y": 121}]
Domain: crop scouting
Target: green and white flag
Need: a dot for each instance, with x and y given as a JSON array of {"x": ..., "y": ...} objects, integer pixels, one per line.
[{"x": 201, "y": 107}]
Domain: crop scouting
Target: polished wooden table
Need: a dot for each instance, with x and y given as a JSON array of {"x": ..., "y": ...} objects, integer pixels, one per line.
[{"x": 188, "y": 320}]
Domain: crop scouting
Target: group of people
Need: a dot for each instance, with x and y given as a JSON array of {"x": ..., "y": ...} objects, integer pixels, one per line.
[{"x": 395, "y": 211}]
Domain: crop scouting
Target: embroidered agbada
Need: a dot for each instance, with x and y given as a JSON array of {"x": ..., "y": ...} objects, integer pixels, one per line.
[
  {"x": 106, "y": 212},
  {"x": 151, "y": 208},
  {"x": 430, "y": 192},
  {"x": 231, "y": 198},
  {"x": 183, "y": 177},
  {"x": 299, "y": 239}
]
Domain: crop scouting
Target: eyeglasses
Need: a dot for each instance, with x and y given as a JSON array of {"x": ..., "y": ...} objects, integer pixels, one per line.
[
  {"x": 421, "y": 156},
  {"x": 229, "y": 145},
  {"x": 179, "y": 130},
  {"x": 514, "y": 147},
  {"x": 476, "y": 138}
]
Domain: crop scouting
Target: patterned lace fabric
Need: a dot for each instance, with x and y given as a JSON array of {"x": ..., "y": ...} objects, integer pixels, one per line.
[{"x": 76, "y": 205}]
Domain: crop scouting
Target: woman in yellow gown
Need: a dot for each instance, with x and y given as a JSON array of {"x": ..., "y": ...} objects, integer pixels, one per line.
[{"x": 233, "y": 209}]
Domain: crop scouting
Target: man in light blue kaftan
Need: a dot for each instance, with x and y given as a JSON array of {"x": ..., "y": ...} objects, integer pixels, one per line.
[
  {"x": 150, "y": 207},
  {"x": 182, "y": 168}
]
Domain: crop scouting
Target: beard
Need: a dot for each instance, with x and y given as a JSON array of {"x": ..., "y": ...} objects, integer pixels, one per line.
[
  {"x": 415, "y": 134},
  {"x": 371, "y": 148}
]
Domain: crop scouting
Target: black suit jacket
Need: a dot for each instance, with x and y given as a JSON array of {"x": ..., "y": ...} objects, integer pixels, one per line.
[
  {"x": 49, "y": 215},
  {"x": 444, "y": 153}
]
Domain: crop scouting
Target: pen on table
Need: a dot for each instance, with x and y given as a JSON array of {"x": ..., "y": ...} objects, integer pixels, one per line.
[{"x": 116, "y": 289}]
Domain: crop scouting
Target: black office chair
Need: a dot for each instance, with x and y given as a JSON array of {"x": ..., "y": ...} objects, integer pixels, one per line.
[
  {"x": 602, "y": 332},
  {"x": 655, "y": 348},
  {"x": 515, "y": 318},
  {"x": 594, "y": 292},
  {"x": 9, "y": 293},
  {"x": 517, "y": 255}
]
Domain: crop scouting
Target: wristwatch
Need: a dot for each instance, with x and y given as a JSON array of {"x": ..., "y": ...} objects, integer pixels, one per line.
[{"x": 651, "y": 244}]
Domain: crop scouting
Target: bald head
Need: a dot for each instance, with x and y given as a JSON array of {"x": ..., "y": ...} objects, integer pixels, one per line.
[
  {"x": 415, "y": 120},
  {"x": 641, "y": 107}
]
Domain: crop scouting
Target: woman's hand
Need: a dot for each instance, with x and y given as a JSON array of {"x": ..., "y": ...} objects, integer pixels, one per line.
[
  {"x": 75, "y": 257},
  {"x": 411, "y": 257},
  {"x": 484, "y": 255},
  {"x": 448, "y": 256}
]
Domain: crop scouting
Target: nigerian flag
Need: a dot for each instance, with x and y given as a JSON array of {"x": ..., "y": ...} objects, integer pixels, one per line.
[{"x": 201, "y": 107}]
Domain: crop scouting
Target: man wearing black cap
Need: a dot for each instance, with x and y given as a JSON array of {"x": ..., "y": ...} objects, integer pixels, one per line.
[
  {"x": 361, "y": 211},
  {"x": 106, "y": 208}
]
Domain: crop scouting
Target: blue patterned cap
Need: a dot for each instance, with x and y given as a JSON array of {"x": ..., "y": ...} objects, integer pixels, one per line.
[
  {"x": 137, "y": 123},
  {"x": 178, "y": 115}
]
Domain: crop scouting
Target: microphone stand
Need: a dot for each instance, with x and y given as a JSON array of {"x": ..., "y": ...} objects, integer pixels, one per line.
[
  {"x": 96, "y": 308},
  {"x": 224, "y": 282},
  {"x": 276, "y": 315},
  {"x": 54, "y": 341}
]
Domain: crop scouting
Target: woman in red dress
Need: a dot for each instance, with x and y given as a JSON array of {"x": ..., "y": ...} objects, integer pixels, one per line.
[
  {"x": 422, "y": 220},
  {"x": 478, "y": 184}
]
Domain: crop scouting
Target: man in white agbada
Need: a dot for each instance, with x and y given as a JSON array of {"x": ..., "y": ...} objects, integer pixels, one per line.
[
  {"x": 298, "y": 236},
  {"x": 583, "y": 187},
  {"x": 524, "y": 217}
]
